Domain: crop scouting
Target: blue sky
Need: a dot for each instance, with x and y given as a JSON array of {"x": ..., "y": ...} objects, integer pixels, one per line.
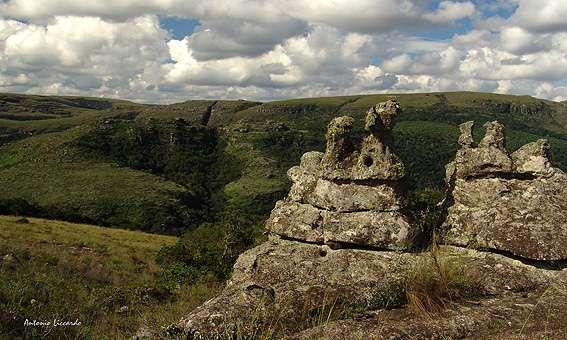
[
  {"x": 179, "y": 27},
  {"x": 172, "y": 50}
]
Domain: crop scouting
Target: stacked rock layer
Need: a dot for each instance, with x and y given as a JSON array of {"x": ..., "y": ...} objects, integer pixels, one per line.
[
  {"x": 351, "y": 197},
  {"x": 514, "y": 203},
  {"x": 348, "y": 195}
]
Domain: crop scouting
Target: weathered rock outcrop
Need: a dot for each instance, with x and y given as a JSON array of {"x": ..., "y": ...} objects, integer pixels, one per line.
[
  {"x": 288, "y": 277},
  {"x": 516, "y": 316},
  {"x": 350, "y": 198},
  {"x": 340, "y": 198},
  {"x": 511, "y": 203},
  {"x": 348, "y": 195}
]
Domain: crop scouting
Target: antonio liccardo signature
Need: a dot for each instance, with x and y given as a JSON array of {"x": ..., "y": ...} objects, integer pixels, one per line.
[{"x": 54, "y": 323}]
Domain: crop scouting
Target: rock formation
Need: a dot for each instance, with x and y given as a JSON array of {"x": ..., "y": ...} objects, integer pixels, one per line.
[
  {"x": 502, "y": 317},
  {"x": 280, "y": 280},
  {"x": 336, "y": 240},
  {"x": 342, "y": 202},
  {"x": 348, "y": 195},
  {"x": 283, "y": 278},
  {"x": 515, "y": 204}
]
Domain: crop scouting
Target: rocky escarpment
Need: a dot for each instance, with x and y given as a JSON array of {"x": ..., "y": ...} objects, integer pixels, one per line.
[
  {"x": 510, "y": 108},
  {"x": 511, "y": 203},
  {"x": 341, "y": 239},
  {"x": 348, "y": 195}
]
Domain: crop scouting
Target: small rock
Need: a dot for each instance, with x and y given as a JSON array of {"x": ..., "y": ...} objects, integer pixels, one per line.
[{"x": 8, "y": 259}]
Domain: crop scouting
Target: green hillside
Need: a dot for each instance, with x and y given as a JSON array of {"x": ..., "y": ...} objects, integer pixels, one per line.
[
  {"x": 48, "y": 176},
  {"x": 208, "y": 171},
  {"x": 132, "y": 166},
  {"x": 108, "y": 276},
  {"x": 23, "y": 116},
  {"x": 165, "y": 168}
]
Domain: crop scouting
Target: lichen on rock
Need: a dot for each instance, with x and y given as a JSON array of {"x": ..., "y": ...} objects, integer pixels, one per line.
[
  {"x": 358, "y": 192},
  {"x": 516, "y": 204},
  {"x": 280, "y": 280},
  {"x": 338, "y": 158},
  {"x": 533, "y": 158},
  {"x": 341, "y": 236},
  {"x": 466, "y": 139},
  {"x": 488, "y": 158},
  {"x": 376, "y": 160}
]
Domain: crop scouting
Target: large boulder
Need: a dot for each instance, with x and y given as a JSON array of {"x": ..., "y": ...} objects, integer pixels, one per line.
[
  {"x": 373, "y": 229},
  {"x": 516, "y": 205},
  {"x": 282, "y": 281},
  {"x": 297, "y": 221},
  {"x": 351, "y": 197},
  {"x": 533, "y": 158},
  {"x": 489, "y": 158},
  {"x": 282, "y": 276},
  {"x": 351, "y": 194},
  {"x": 518, "y": 316}
]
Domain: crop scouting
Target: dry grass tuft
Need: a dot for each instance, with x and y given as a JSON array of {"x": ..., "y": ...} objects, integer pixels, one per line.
[
  {"x": 276, "y": 320},
  {"x": 437, "y": 280}
]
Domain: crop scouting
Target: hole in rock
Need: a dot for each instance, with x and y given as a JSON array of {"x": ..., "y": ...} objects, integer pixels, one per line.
[{"x": 368, "y": 161}]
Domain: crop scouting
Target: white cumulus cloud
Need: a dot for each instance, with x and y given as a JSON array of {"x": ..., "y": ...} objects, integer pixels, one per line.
[{"x": 266, "y": 49}]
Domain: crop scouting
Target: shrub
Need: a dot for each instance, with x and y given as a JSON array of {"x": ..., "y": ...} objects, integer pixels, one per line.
[
  {"x": 173, "y": 275},
  {"x": 425, "y": 212},
  {"x": 209, "y": 250},
  {"x": 18, "y": 207}
]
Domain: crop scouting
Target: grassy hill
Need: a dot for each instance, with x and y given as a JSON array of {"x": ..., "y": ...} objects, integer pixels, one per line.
[
  {"x": 23, "y": 116},
  {"x": 165, "y": 168},
  {"x": 209, "y": 171},
  {"x": 106, "y": 278},
  {"x": 47, "y": 176},
  {"x": 113, "y": 163}
]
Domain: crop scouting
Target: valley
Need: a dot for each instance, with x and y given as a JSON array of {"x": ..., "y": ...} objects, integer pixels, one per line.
[{"x": 177, "y": 192}]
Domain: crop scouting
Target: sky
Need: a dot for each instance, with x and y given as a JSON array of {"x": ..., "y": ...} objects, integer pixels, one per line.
[{"x": 163, "y": 51}]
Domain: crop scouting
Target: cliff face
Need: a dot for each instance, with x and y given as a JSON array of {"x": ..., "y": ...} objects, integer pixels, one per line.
[
  {"x": 522, "y": 110},
  {"x": 341, "y": 236}
]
